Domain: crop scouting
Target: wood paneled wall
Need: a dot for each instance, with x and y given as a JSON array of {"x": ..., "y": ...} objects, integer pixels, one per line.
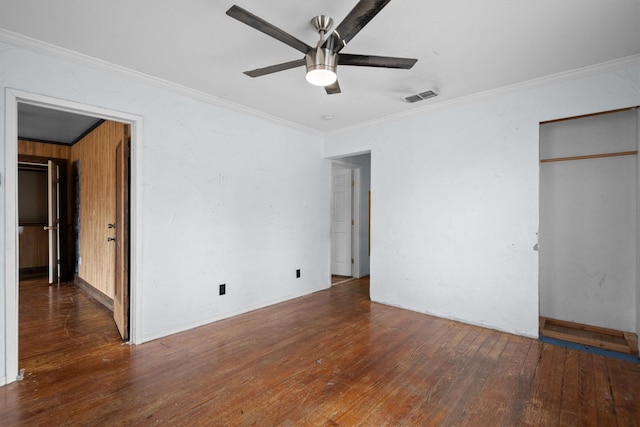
[
  {"x": 96, "y": 153},
  {"x": 40, "y": 149}
]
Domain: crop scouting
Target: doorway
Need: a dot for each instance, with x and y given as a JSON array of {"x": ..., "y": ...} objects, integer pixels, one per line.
[
  {"x": 350, "y": 217},
  {"x": 100, "y": 210},
  {"x": 32, "y": 219},
  {"x": 588, "y": 220},
  {"x": 342, "y": 221},
  {"x": 13, "y": 98},
  {"x": 43, "y": 237}
]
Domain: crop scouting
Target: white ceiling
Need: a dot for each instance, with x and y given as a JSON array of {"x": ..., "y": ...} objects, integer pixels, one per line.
[
  {"x": 54, "y": 126},
  {"x": 463, "y": 47}
]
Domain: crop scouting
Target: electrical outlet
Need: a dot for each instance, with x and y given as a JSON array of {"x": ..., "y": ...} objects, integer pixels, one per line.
[
  {"x": 223, "y": 289},
  {"x": 297, "y": 273}
]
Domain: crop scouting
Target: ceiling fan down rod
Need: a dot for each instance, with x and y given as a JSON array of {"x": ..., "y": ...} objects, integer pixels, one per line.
[{"x": 321, "y": 24}]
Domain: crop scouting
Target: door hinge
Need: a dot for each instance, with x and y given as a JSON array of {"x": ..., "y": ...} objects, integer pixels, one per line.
[
  {"x": 353, "y": 183},
  {"x": 353, "y": 222},
  {"x": 352, "y": 261}
]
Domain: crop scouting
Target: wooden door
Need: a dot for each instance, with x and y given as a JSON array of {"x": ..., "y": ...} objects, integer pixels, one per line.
[
  {"x": 341, "y": 220},
  {"x": 53, "y": 220},
  {"x": 121, "y": 228}
]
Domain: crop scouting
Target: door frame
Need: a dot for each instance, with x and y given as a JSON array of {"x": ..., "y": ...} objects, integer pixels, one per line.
[
  {"x": 10, "y": 178},
  {"x": 355, "y": 213}
]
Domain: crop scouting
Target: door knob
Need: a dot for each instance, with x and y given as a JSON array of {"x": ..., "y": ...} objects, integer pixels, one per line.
[{"x": 47, "y": 228}]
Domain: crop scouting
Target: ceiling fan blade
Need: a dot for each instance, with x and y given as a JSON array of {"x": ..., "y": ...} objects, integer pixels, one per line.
[
  {"x": 275, "y": 68},
  {"x": 261, "y": 25},
  {"x": 360, "y": 15},
  {"x": 375, "y": 61},
  {"x": 332, "y": 88}
]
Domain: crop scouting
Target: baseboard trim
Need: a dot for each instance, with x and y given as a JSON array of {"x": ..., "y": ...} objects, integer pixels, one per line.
[
  {"x": 33, "y": 272},
  {"x": 93, "y": 292}
]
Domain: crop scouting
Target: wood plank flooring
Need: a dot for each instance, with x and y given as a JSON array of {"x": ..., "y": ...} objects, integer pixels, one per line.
[{"x": 326, "y": 359}]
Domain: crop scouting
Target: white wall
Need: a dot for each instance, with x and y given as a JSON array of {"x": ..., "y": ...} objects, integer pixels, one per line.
[
  {"x": 588, "y": 221},
  {"x": 456, "y": 196},
  {"x": 638, "y": 230},
  {"x": 227, "y": 198}
]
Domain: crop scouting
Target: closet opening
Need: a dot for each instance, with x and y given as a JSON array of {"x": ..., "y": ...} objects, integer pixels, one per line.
[{"x": 588, "y": 241}]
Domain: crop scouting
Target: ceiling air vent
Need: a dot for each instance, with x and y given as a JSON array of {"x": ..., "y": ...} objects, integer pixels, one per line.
[{"x": 420, "y": 96}]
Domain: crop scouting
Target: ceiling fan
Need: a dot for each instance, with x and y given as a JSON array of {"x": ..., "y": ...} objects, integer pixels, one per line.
[{"x": 321, "y": 61}]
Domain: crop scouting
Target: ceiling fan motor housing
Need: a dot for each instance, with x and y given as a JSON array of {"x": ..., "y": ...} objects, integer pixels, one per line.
[{"x": 321, "y": 66}]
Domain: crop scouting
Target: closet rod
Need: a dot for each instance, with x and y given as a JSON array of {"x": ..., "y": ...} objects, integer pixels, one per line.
[{"x": 590, "y": 156}]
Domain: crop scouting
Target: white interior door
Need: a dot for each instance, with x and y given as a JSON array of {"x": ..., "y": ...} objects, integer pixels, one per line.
[
  {"x": 53, "y": 221},
  {"x": 341, "y": 220}
]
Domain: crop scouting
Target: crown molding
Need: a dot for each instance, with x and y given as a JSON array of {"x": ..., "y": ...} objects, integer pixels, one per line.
[
  {"x": 587, "y": 71},
  {"x": 48, "y": 49},
  {"x": 52, "y": 50}
]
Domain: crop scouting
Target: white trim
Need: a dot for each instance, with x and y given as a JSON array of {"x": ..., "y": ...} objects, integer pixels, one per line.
[
  {"x": 355, "y": 231},
  {"x": 591, "y": 70},
  {"x": 11, "y": 236},
  {"x": 48, "y": 49},
  {"x": 135, "y": 232},
  {"x": 12, "y": 97},
  {"x": 637, "y": 331}
]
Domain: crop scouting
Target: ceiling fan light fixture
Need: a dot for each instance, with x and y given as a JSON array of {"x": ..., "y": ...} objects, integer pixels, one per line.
[
  {"x": 321, "y": 77},
  {"x": 321, "y": 67}
]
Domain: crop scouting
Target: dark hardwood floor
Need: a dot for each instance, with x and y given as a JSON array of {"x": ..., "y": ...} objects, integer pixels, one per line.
[{"x": 330, "y": 358}]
